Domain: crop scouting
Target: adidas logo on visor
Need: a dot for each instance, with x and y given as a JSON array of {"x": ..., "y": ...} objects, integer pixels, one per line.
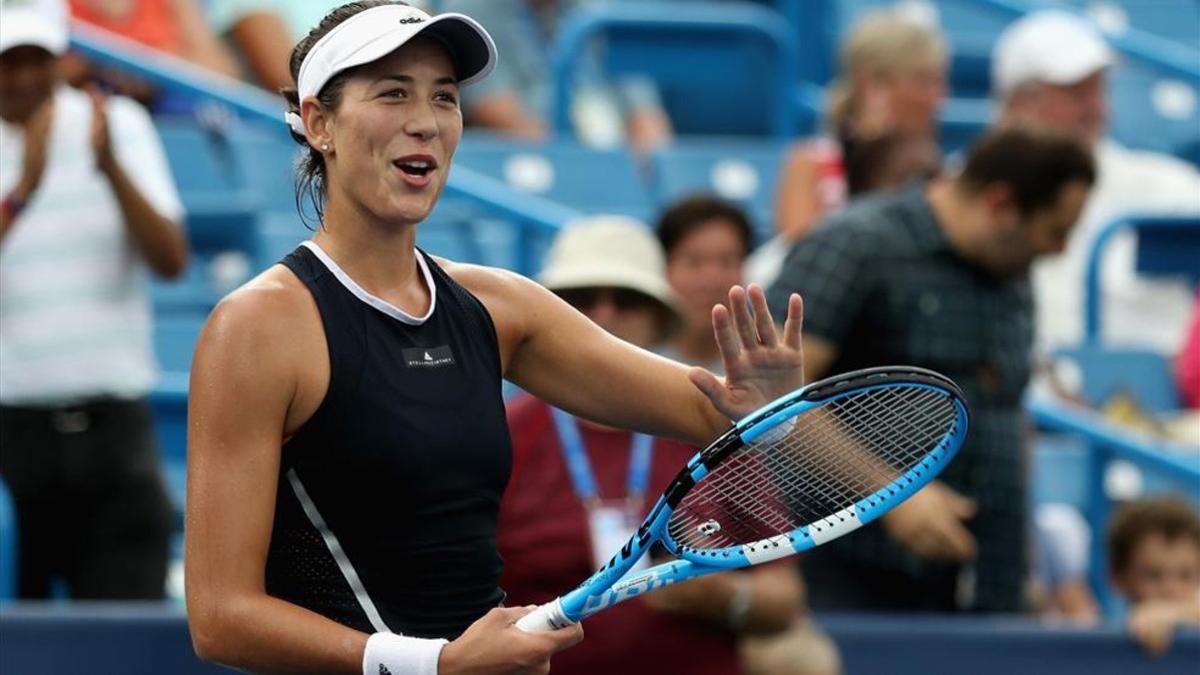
[{"x": 412, "y": 19}]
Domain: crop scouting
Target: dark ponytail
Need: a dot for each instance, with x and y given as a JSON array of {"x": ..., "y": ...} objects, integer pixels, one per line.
[{"x": 310, "y": 169}]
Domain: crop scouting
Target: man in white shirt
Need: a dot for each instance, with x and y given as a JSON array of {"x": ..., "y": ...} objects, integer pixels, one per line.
[
  {"x": 1050, "y": 69},
  {"x": 86, "y": 204}
]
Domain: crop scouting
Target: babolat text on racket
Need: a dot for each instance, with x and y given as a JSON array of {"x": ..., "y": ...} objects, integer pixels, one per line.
[{"x": 803, "y": 470}]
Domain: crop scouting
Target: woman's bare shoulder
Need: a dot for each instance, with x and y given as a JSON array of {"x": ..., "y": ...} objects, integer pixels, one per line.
[
  {"x": 492, "y": 285},
  {"x": 516, "y": 303},
  {"x": 273, "y": 308}
]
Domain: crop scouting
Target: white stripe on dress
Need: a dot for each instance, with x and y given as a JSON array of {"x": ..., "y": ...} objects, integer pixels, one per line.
[{"x": 339, "y": 555}]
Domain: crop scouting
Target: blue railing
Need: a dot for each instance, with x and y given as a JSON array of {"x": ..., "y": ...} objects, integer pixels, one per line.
[
  {"x": 1178, "y": 464},
  {"x": 176, "y": 74},
  {"x": 732, "y": 21},
  {"x": 1185, "y": 230}
]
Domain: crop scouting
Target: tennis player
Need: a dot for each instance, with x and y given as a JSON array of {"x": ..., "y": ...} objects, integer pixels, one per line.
[{"x": 347, "y": 440}]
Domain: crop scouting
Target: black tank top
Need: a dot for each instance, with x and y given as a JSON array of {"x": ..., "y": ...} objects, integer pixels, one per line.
[{"x": 385, "y": 515}]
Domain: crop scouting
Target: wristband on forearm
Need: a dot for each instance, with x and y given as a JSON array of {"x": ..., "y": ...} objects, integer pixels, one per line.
[{"x": 391, "y": 654}]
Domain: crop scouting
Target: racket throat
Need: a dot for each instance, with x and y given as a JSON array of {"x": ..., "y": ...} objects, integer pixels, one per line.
[{"x": 637, "y": 584}]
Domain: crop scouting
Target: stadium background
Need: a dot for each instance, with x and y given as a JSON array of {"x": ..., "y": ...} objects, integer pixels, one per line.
[{"x": 740, "y": 80}]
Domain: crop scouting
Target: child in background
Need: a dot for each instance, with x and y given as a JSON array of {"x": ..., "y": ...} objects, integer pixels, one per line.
[{"x": 1154, "y": 559}]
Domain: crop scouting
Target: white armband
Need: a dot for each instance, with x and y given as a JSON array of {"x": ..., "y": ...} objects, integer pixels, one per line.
[{"x": 391, "y": 654}]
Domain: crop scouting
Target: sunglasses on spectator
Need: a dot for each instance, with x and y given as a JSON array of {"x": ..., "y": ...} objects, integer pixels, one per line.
[{"x": 621, "y": 298}]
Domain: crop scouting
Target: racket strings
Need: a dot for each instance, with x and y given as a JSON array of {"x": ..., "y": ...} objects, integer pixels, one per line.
[
  {"x": 821, "y": 474},
  {"x": 770, "y": 517},
  {"x": 835, "y": 456}
]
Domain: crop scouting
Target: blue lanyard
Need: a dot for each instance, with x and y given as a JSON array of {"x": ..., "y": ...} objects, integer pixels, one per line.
[{"x": 581, "y": 470}]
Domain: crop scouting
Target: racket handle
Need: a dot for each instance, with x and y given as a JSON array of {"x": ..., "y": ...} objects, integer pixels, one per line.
[{"x": 545, "y": 618}]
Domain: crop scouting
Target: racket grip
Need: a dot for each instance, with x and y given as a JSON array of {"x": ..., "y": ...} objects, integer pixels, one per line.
[{"x": 545, "y": 618}]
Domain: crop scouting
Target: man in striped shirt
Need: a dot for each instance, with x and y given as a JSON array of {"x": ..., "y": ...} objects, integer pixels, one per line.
[{"x": 86, "y": 204}]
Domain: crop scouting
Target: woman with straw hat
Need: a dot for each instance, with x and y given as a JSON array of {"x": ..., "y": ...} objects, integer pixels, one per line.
[{"x": 579, "y": 489}]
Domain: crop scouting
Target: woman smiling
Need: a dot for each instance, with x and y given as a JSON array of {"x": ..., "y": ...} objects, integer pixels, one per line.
[{"x": 347, "y": 440}]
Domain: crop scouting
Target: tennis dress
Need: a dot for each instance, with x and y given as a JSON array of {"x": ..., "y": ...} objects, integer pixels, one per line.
[{"x": 385, "y": 516}]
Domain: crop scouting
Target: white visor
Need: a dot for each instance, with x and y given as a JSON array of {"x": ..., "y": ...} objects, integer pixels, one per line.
[{"x": 379, "y": 31}]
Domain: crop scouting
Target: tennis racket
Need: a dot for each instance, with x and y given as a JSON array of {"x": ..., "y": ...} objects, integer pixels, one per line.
[{"x": 807, "y": 468}]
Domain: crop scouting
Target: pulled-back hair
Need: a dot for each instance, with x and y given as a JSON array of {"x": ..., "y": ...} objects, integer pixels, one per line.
[
  {"x": 310, "y": 169},
  {"x": 1036, "y": 164}
]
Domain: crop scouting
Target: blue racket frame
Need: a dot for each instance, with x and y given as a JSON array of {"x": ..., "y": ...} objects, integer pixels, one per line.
[{"x": 613, "y": 583}]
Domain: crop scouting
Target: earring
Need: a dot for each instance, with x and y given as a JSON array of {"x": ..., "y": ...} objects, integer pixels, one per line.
[{"x": 325, "y": 147}]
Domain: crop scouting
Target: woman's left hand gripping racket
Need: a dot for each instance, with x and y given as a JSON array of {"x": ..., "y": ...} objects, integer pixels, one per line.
[{"x": 807, "y": 468}]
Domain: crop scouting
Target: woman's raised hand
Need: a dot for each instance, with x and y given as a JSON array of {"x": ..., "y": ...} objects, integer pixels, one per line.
[{"x": 760, "y": 365}]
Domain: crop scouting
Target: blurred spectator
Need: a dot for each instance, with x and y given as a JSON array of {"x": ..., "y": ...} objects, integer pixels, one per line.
[
  {"x": 1154, "y": 558},
  {"x": 263, "y": 33},
  {"x": 87, "y": 199},
  {"x": 1187, "y": 367},
  {"x": 1061, "y": 551},
  {"x": 611, "y": 269},
  {"x": 706, "y": 241},
  {"x": 175, "y": 27},
  {"x": 893, "y": 80},
  {"x": 1050, "y": 69},
  {"x": 937, "y": 276},
  {"x": 516, "y": 99},
  {"x": 889, "y": 161}
]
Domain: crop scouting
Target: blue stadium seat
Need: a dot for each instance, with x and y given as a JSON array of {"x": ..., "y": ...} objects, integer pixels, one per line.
[
  {"x": 168, "y": 402},
  {"x": 1107, "y": 371},
  {"x": 1174, "y": 20},
  {"x": 219, "y": 206},
  {"x": 699, "y": 58},
  {"x": 1154, "y": 112},
  {"x": 8, "y": 544},
  {"x": 1166, "y": 246},
  {"x": 175, "y": 339},
  {"x": 453, "y": 231},
  {"x": 221, "y": 217},
  {"x": 1059, "y": 470},
  {"x": 201, "y": 160},
  {"x": 265, "y": 160},
  {"x": 591, "y": 180},
  {"x": 278, "y": 233},
  {"x": 743, "y": 172},
  {"x": 190, "y": 294}
]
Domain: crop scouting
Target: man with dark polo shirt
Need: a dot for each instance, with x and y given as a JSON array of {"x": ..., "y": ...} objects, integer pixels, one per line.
[{"x": 938, "y": 276}]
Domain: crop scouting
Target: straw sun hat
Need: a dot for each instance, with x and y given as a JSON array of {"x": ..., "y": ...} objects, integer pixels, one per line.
[{"x": 611, "y": 251}]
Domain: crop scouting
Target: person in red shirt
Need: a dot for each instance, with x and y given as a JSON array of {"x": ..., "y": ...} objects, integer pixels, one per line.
[
  {"x": 579, "y": 489},
  {"x": 1187, "y": 366}
]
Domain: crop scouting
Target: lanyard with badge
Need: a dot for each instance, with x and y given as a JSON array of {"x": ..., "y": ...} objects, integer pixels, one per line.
[{"x": 611, "y": 522}]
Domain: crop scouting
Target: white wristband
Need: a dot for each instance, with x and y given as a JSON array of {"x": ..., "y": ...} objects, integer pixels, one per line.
[{"x": 391, "y": 654}]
